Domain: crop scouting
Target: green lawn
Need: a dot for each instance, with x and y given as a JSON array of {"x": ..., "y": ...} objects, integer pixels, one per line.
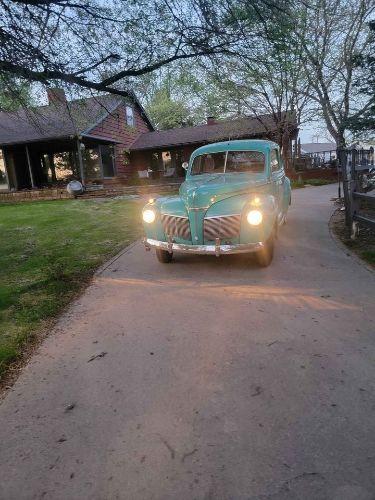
[
  {"x": 48, "y": 251},
  {"x": 296, "y": 184}
]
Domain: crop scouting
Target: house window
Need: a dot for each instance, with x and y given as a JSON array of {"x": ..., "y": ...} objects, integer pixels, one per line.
[
  {"x": 129, "y": 116},
  {"x": 91, "y": 163},
  {"x": 108, "y": 163}
]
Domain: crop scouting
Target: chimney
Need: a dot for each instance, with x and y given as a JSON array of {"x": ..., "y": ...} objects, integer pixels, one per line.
[
  {"x": 56, "y": 96},
  {"x": 211, "y": 120}
]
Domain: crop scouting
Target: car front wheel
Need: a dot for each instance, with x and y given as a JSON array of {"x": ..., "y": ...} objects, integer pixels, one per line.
[
  {"x": 163, "y": 256},
  {"x": 264, "y": 257}
]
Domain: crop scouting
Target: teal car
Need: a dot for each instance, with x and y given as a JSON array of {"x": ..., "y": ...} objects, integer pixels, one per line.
[{"x": 234, "y": 199}]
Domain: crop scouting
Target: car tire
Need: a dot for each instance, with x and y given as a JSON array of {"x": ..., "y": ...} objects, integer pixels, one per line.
[
  {"x": 164, "y": 256},
  {"x": 264, "y": 257}
]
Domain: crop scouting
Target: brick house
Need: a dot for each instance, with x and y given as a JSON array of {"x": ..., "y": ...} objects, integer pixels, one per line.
[
  {"x": 87, "y": 139},
  {"x": 164, "y": 151},
  {"x": 105, "y": 140}
]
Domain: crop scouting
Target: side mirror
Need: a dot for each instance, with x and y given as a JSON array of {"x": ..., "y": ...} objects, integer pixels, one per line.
[{"x": 185, "y": 165}]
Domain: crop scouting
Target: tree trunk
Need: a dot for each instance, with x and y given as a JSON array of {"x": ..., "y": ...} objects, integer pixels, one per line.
[{"x": 285, "y": 151}]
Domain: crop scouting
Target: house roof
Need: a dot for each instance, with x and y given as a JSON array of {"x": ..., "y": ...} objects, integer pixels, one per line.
[
  {"x": 318, "y": 147},
  {"x": 245, "y": 127},
  {"x": 56, "y": 121}
]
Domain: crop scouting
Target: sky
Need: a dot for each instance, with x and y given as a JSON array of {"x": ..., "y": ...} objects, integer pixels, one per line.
[{"x": 316, "y": 132}]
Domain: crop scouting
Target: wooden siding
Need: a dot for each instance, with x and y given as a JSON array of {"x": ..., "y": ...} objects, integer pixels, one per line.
[{"x": 114, "y": 127}]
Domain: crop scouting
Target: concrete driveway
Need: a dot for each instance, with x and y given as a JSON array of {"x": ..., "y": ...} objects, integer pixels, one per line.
[{"x": 205, "y": 379}]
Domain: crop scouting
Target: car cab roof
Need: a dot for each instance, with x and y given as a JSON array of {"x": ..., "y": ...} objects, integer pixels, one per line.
[{"x": 239, "y": 145}]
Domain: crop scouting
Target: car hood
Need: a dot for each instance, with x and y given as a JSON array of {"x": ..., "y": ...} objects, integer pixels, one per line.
[{"x": 201, "y": 191}]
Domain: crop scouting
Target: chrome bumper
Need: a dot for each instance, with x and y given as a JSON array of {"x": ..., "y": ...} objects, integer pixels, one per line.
[{"x": 216, "y": 249}]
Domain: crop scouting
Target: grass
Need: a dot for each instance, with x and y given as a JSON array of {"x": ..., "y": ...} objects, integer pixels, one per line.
[
  {"x": 48, "y": 252},
  {"x": 369, "y": 256},
  {"x": 296, "y": 184}
]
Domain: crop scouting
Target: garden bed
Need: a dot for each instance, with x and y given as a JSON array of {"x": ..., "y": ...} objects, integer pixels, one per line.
[{"x": 363, "y": 245}]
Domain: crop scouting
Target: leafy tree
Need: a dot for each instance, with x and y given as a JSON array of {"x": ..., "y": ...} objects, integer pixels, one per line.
[
  {"x": 14, "y": 93},
  {"x": 271, "y": 82},
  {"x": 335, "y": 35},
  {"x": 166, "y": 113},
  {"x": 363, "y": 125},
  {"x": 96, "y": 45},
  {"x": 270, "y": 79}
]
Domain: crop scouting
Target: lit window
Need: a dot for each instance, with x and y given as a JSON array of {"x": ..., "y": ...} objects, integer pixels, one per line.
[{"x": 129, "y": 116}]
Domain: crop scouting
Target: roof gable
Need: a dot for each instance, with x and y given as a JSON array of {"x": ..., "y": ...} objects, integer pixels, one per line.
[{"x": 59, "y": 120}]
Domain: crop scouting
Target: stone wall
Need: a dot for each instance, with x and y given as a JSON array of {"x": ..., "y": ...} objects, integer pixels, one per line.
[{"x": 35, "y": 195}]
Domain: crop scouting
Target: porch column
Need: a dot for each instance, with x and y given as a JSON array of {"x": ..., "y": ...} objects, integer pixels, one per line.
[
  {"x": 80, "y": 161},
  {"x": 51, "y": 161},
  {"x": 7, "y": 175},
  {"x": 30, "y": 168}
]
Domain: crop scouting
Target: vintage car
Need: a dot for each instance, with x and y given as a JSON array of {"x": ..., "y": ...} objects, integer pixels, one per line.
[{"x": 233, "y": 200}]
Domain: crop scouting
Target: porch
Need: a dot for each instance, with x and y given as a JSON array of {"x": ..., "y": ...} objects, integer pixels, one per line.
[
  {"x": 54, "y": 163},
  {"x": 161, "y": 164}
]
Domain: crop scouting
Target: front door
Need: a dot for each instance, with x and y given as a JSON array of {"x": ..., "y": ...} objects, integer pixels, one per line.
[{"x": 107, "y": 159}]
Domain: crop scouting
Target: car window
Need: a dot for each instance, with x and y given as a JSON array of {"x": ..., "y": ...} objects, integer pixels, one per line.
[
  {"x": 245, "y": 161},
  {"x": 231, "y": 161},
  {"x": 275, "y": 165},
  {"x": 209, "y": 163}
]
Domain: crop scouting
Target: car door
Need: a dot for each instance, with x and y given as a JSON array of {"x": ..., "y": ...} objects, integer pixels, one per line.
[{"x": 278, "y": 180}]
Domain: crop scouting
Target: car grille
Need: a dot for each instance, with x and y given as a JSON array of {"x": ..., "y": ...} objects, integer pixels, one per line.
[
  {"x": 176, "y": 226},
  {"x": 227, "y": 226}
]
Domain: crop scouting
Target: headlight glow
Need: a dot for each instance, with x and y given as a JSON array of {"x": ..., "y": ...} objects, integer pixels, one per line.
[
  {"x": 149, "y": 216},
  {"x": 254, "y": 217}
]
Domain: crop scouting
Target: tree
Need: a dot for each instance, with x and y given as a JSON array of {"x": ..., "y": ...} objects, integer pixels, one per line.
[
  {"x": 14, "y": 93},
  {"x": 334, "y": 34},
  {"x": 268, "y": 80},
  {"x": 363, "y": 126},
  {"x": 271, "y": 82},
  {"x": 166, "y": 112},
  {"x": 96, "y": 45}
]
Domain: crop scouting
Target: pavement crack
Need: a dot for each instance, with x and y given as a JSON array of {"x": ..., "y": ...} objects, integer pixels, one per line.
[
  {"x": 258, "y": 390},
  {"x": 96, "y": 356},
  {"x": 171, "y": 450},
  {"x": 188, "y": 454}
]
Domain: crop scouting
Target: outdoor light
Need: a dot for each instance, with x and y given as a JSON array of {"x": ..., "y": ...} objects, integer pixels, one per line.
[
  {"x": 149, "y": 216},
  {"x": 151, "y": 200},
  {"x": 254, "y": 217}
]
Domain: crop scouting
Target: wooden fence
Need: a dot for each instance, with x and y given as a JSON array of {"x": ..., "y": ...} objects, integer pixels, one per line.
[{"x": 358, "y": 176}]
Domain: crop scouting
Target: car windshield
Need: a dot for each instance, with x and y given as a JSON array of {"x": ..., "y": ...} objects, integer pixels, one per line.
[{"x": 229, "y": 161}]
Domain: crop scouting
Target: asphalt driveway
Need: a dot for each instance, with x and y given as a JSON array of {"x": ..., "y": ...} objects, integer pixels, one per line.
[{"x": 205, "y": 379}]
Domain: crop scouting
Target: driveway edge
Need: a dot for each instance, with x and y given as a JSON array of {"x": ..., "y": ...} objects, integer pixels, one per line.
[
  {"x": 109, "y": 262},
  {"x": 346, "y": 249}
]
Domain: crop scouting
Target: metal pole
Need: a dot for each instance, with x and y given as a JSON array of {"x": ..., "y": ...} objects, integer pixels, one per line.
[
  {"x": 30, "y": 168},
  {"x": 80, "y": 161}
]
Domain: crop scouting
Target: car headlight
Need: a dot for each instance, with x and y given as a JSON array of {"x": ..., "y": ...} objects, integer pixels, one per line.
[
  {"x": 254, "y": 217},
  {"x": 149, "y": 216}
]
